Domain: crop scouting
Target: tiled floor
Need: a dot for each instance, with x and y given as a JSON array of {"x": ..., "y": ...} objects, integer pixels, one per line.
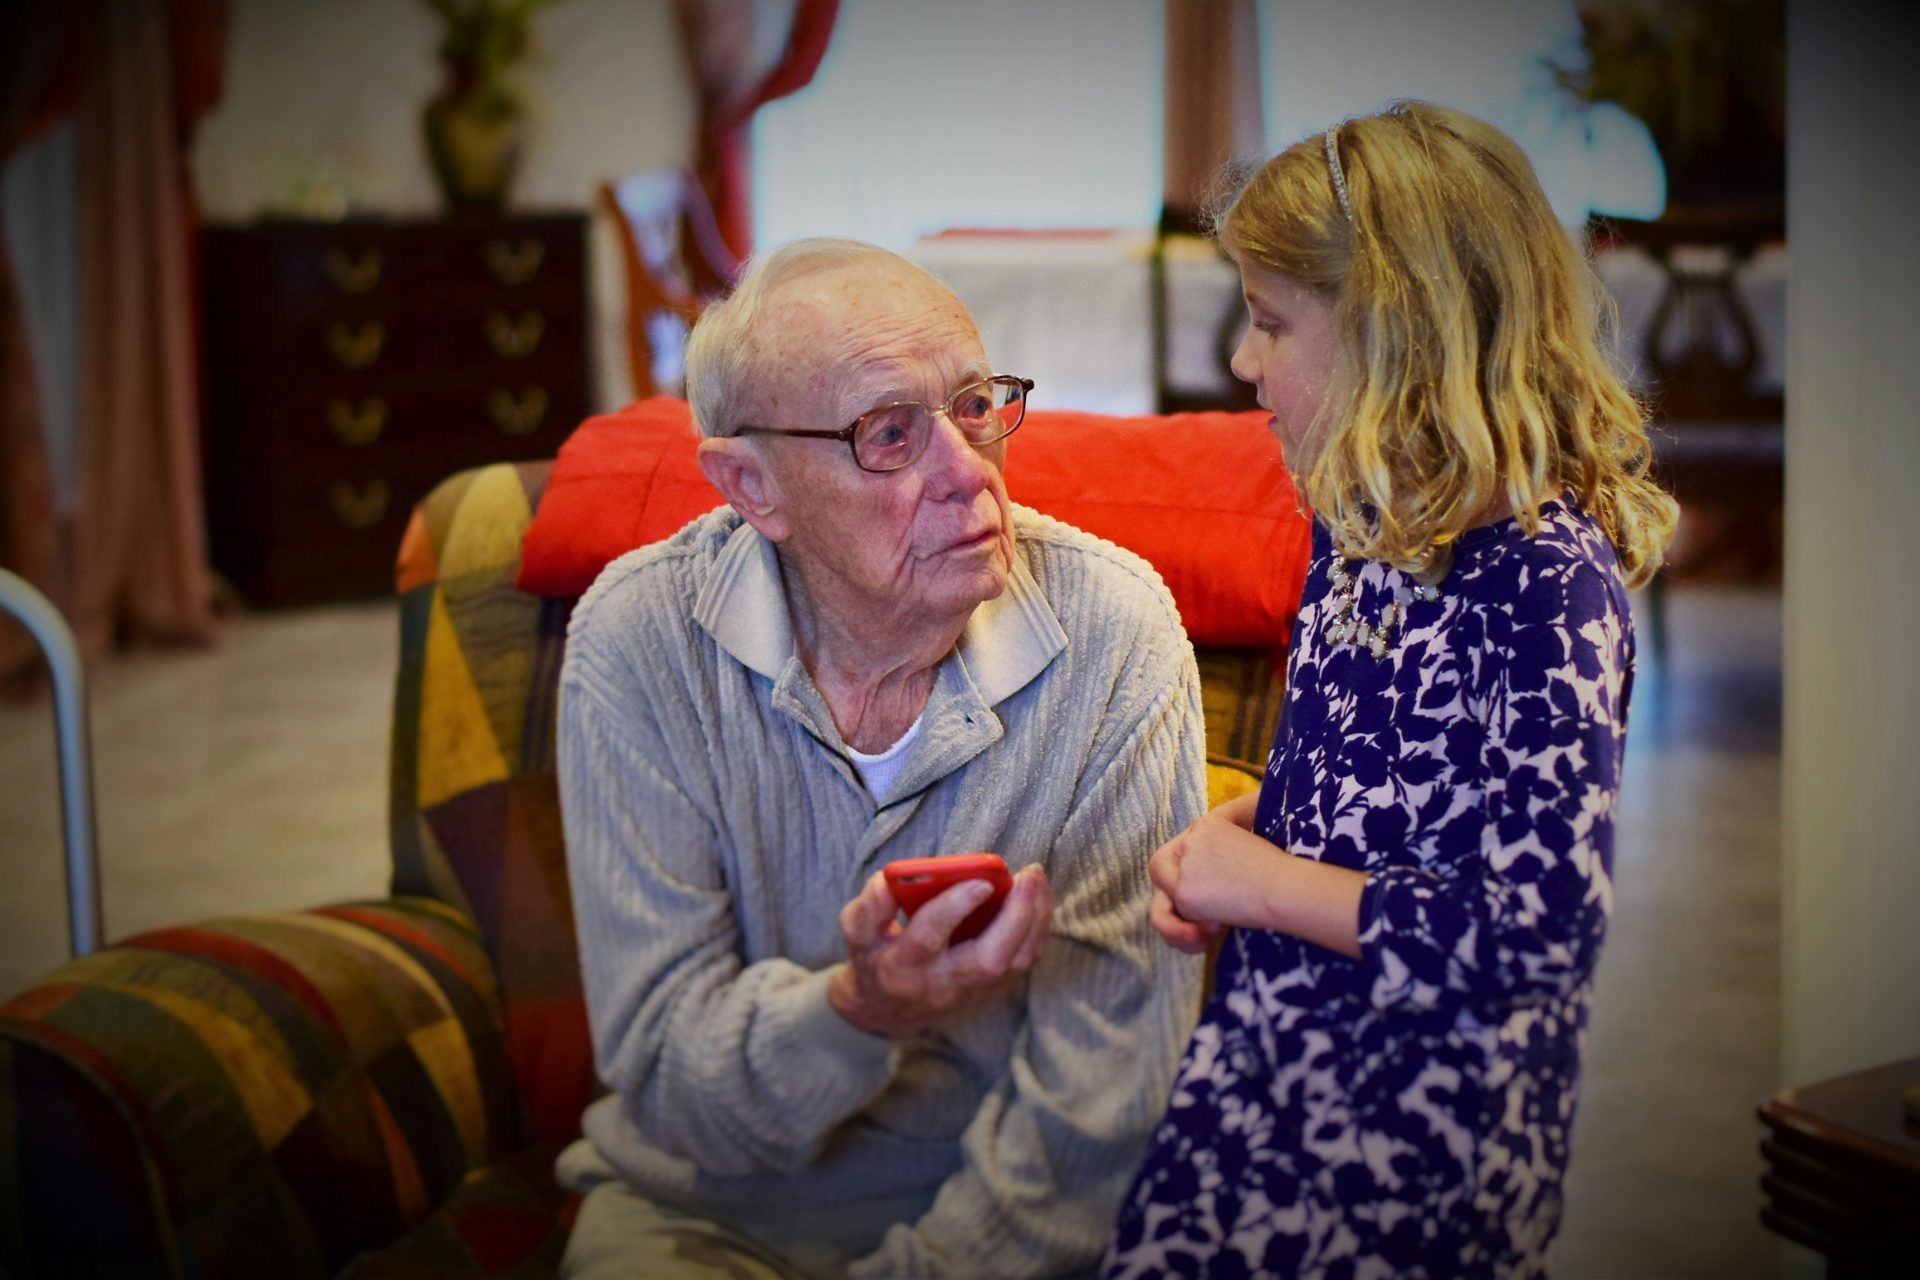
[
  {"x": 1685, "y": 1036},
  {"x": 253, "y": 776}
]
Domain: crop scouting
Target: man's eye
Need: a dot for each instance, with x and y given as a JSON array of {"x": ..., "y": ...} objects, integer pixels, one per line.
[
  {"x": 888, "y": 429},
  {"x": 972, "y": 407}
]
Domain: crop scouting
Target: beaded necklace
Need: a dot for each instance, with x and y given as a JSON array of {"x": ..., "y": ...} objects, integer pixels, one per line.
[{"x": 1348, "y": 628}]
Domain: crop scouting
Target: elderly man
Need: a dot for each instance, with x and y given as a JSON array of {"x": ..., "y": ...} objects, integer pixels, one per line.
[{"x": 869, "y": 655}]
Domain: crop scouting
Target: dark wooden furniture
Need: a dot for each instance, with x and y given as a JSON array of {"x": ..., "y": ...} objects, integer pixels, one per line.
[
  {"x": 351, "y": 365},
  {"x": 1843, "y": 1170},
  {"x": 1719, "y": 442}
]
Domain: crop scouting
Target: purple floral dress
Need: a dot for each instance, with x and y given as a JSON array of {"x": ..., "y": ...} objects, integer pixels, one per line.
[{"x": 1408, "y": 1113}]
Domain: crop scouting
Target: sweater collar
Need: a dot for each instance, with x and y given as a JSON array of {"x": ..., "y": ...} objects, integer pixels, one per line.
[{"x": 1007, "y": 642}]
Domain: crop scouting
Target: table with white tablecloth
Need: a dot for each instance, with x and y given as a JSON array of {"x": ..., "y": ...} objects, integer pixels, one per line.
[{"x": 1073, "y": 310}]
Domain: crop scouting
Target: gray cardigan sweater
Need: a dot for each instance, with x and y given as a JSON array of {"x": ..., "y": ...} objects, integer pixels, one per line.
[{"x": 715, "y": 827}]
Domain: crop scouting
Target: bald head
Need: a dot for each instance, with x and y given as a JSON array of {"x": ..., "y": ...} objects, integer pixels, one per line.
[{"x": 808, "y": 324}]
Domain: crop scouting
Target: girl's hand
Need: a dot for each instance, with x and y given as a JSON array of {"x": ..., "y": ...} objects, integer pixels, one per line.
[
  {"x": 1218, "y": 873},
  {"x": 1239, "y": 811},
  {"x": 1178, "y": 933},
  {"x": 1209, "y": 876}
]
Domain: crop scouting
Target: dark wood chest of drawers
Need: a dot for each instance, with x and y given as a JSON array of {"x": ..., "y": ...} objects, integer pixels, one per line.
[{"x": 351, "y": 366}]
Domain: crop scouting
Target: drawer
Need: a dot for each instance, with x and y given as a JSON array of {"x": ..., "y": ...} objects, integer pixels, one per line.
[
  {"x": 333, "y": 535},
  {"x": 485, "y": 420},
  {"x": 328, "y": 533},
  {"x": 442, "y": 348},
  {"x": 304, "y": 271}
]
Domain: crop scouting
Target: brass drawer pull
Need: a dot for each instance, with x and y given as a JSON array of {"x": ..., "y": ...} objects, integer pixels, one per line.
[
  {"x": 357, "y": 426},
  {"x": 356, "y": 346},
  {"x": 353, "y": 274},
  {"x": 362, "y": 507},
  {"x": 517, "y": 415},
  {"x": 515, "y": 264},
  {"x": 515, "y": 338}
]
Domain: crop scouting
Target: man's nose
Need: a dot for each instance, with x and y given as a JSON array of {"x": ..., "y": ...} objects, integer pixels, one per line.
[{"x": 955, "y": 465}]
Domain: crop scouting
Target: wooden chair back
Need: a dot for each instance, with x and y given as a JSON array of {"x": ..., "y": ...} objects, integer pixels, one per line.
[{"x": 675, "y": 262}]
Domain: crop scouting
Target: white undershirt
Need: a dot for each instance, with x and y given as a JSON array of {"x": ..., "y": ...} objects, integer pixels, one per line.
[{"x": 879, "y": 771}]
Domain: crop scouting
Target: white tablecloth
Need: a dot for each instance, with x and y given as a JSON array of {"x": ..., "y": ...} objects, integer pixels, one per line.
[{"x": 1074, "y": 313}]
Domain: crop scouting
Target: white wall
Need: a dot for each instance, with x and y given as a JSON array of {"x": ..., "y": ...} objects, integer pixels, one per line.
[
  {"x": 322, "y": 106},
  {"x": 1851, "y": 980},
  {"x": 332, "y": 92},
  {"x": 926, "y": 114}
]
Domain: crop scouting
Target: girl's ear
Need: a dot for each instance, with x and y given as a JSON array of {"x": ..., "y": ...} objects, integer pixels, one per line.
[{"x": 740, "y": 473}]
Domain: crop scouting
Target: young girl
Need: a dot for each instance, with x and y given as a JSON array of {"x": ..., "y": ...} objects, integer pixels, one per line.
[{"x": 1383, "y": 1083}]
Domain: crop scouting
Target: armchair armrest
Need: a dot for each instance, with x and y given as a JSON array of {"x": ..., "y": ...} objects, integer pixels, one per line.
[{"x": 257, "y": 1095}]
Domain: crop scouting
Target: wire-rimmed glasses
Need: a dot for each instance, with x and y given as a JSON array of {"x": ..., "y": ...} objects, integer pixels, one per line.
[{"x": 894, "y": 435}]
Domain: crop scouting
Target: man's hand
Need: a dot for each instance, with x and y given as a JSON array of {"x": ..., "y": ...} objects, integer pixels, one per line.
[{"x": 898, "y": 980}]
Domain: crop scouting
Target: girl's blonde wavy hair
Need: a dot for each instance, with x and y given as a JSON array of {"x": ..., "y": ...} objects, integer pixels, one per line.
[{"x": 1469, "y": 352}]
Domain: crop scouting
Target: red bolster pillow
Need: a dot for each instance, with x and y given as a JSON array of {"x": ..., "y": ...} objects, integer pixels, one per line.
[{"x": 1203, "y": 497}]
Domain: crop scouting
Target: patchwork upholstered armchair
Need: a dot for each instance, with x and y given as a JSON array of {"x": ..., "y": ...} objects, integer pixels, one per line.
[{"x": 375, "y": 1089}]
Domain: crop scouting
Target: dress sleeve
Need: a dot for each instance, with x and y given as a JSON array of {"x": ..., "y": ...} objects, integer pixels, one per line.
[
  {"x": 1520, "y": 919},
  {"x": 737, "y": 1068},
  {"x": 1047, "y": 1157}
]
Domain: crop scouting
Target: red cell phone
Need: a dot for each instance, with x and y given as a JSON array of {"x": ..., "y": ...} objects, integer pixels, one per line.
[{"x": 916, "y": 881}]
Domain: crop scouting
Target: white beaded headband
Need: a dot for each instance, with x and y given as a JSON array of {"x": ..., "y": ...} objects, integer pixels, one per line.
[{"x": 1339, "y": 175}]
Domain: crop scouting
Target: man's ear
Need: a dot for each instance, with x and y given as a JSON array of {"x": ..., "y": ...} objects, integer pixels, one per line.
[{"x": 737, "y": 470}]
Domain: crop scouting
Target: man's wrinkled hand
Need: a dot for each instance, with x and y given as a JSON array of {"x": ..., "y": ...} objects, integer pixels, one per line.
[{"x": 900, "y": 979}]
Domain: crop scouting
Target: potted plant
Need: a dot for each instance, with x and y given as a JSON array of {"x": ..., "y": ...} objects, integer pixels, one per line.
[
  {"x": 475, "y": 125},
  {"x": 1708, "y": 78}
]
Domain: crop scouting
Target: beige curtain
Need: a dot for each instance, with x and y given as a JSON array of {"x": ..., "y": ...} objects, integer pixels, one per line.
[
  {"x": 133, "y": 74},
  {"x": 1213, "y": 112},
  {"x": 737, "y": 70},
  {"x": 29, "y": 531},
  {"x": 139, "y": 544},
  {"x": 39, "y": 75}
]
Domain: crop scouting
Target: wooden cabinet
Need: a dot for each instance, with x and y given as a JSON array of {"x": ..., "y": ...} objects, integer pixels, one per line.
[
  {"x": 1843, "y": 1169},
  {"x": 351, "y": 366}
]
